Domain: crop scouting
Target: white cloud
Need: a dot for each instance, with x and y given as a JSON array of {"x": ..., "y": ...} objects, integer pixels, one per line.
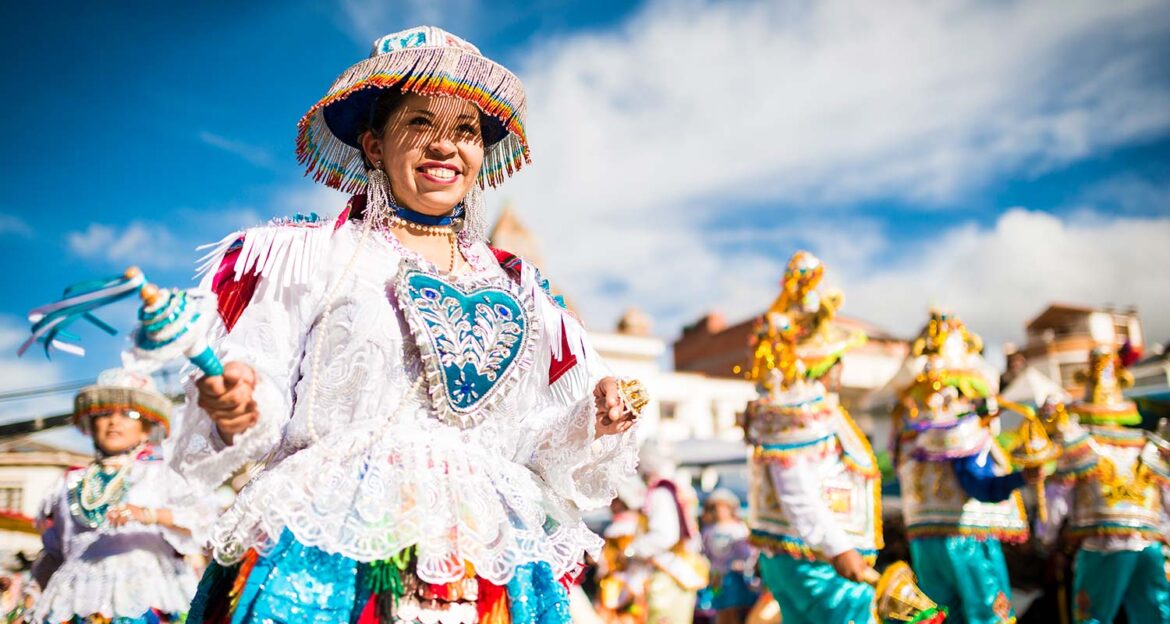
[
  {"x": 642, "y": 136},
  {"x": 308, "y": 198},
  {"x": 998, "y": 278},
  {"x": 838, "y": 100},
  {"x": 12, "y": 224},
  {"x": 137, "y": 242},
  {"x": 31, "y": 371},
  {"x": 257, "y": 156}
]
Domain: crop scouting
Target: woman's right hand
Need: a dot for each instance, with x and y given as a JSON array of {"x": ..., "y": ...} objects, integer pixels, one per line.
[
  {"x": 851, "y": 565},
  {"x": 227, "y": 399}
]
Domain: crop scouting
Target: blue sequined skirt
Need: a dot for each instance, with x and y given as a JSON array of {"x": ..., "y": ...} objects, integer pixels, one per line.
[
  {"x": 297, "y": 583},
  {"x": 150, "y": 617}
]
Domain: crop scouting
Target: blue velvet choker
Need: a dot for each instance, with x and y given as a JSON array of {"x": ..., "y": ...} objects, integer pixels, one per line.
[{"x": 418, "y": 218}]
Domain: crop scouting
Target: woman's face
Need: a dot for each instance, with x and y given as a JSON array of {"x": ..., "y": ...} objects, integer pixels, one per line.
[
  {"x": 721, "y": 511},
  {"x": 431, "y": 149},
  {"x": 119, "y": 431}
]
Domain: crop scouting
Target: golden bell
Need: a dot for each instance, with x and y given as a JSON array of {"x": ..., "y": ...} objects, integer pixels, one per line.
[{"x": 897, "y": 598}]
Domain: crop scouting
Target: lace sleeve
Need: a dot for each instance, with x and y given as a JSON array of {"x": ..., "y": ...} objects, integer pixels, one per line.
[
  {"x": 52, "y": 551},
  {"x": 192, "y": 512},
  {"x": 566, "y": 455},
  {"x": 268, "y": 334}
]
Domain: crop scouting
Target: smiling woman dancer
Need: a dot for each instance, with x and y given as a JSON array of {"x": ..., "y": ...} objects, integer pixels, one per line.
[
  {"x": 113, "y": 533},
  {"x": 425, "y": 418}
]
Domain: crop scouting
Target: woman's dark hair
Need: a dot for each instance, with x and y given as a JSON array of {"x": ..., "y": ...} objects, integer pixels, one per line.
[
  {"x": 390, "y": 99},
  {"x": 384, "y": 106}
]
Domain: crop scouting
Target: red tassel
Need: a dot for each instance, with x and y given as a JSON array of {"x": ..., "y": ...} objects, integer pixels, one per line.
[
  {"x": 370, "y": 611},
  {"x": 492, "y": 605},
  {"x": 572, "y": 578}
]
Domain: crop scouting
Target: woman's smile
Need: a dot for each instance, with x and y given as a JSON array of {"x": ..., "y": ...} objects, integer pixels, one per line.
[{"x": 439, "y": 173}]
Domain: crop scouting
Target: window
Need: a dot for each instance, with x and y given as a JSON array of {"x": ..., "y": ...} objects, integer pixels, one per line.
[
  {"x": 1068, "y": 373},
  {"x": 666, "y": 410},
  {"x": 11, "y": 498}
]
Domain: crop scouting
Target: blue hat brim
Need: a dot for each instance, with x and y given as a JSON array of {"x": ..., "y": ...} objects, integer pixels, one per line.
[{"x": 347, "y": 118}]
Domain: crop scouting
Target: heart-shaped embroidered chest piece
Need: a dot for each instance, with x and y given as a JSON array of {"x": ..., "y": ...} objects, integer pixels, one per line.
[{"x": 470, "y": 341}]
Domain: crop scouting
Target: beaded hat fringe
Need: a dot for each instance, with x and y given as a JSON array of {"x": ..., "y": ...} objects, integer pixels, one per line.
[{"x": 437, "y": 64}]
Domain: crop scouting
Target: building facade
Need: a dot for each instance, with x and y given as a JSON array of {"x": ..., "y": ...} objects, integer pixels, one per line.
[
  {"x": 1059, "y": 339},
  {"x": 29, "y": 470}
]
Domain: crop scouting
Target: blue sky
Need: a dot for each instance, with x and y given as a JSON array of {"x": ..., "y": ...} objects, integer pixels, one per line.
[{"x": 990, "y": 157}]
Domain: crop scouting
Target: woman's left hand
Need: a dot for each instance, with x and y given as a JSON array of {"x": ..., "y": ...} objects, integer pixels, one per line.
[
  {"x": 612, "y": 415},
  {"x": 122, "y": 514}
]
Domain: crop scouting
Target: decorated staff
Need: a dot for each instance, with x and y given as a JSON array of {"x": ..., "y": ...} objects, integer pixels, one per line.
[
  {"x": 171, "y": 322},
  {"x": 1035, "y": 450}
]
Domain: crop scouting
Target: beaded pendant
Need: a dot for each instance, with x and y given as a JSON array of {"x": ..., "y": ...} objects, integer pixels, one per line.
[
  {"x": 472, "y": 341},
  {"x": 98, "y": 489}
]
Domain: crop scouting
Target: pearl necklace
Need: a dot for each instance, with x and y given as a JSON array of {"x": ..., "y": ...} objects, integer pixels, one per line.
[{"x": 449, "y": 231}]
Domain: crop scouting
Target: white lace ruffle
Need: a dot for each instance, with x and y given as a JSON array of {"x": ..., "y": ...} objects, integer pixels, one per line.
[
  {"x": 577, "y": 467},
  {"x": 359, "y": 464},
  {"x": 124, "y": 585},
  {"x": 367, "y": 492}
]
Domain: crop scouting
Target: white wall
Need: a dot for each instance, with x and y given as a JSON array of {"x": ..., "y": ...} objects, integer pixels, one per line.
[
  {"x": 703, "y": 407},
  {"x": 36, "y": 482}
]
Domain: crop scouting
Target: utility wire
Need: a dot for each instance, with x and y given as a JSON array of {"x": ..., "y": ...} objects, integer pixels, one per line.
[{"x": 26, "y": 393}]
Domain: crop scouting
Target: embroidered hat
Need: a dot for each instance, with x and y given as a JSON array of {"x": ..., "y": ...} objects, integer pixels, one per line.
[
  {"x": 725, "y": 496},
  {"x": 428, "y": 61},
  {"x": 121, "y": 389}
]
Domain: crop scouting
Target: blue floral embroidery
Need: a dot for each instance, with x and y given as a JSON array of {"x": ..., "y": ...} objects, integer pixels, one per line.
[
  {"x": 475, "y": 336},
  {"x": 413, "y": 38}
]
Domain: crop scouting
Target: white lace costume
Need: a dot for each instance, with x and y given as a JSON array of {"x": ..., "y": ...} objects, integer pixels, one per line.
[
  {"x": 119, "y": 571},
  {"x": 360, "y": 459}
]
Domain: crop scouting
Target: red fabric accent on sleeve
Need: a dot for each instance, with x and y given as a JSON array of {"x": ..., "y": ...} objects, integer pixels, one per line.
[
  {"x": 558, "y": 367},
  {"x": 232, "y": 295},
  {"x": 572, "y": 578},
  {"x": 509, "y": 261}
]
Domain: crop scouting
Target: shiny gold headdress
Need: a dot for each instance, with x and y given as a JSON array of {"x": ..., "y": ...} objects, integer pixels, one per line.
[
  {"x": 774, "y": 360},
  {"x": 939, "y": 329},
  {"x": 796, "y": 338},
  {"x": 1103, "y": 403}
]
